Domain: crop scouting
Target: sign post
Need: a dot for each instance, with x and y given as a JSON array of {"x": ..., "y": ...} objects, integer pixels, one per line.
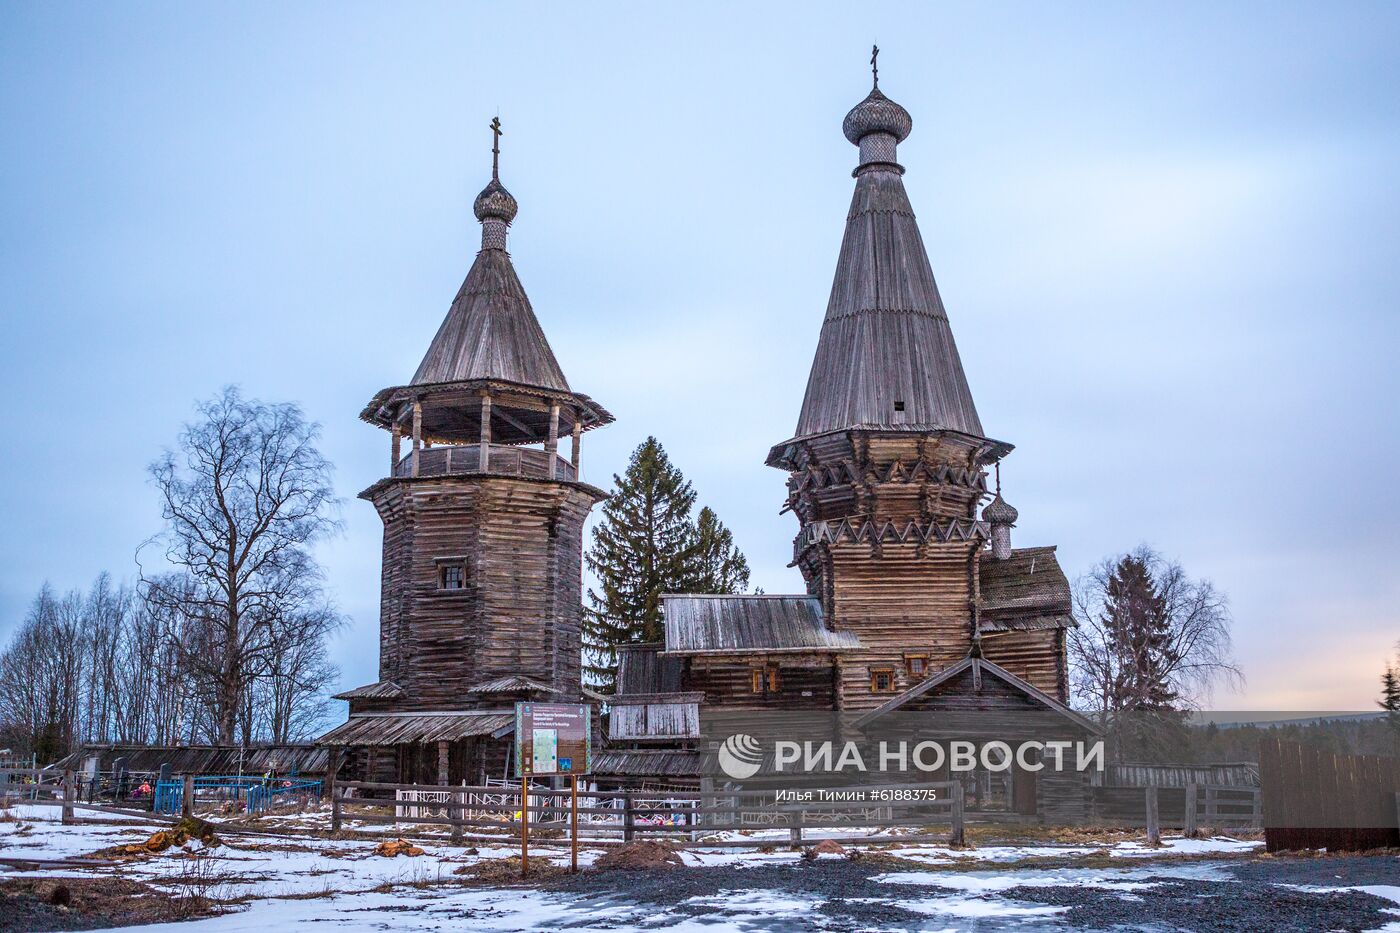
[{"x": 553, "y": 739}]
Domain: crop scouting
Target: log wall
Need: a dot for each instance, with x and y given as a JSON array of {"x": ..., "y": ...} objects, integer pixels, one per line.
[{"x": 521, "y": 542}]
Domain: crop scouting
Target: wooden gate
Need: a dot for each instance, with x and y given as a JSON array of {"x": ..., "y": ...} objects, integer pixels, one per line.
[{"x": 1315, "y": 800}]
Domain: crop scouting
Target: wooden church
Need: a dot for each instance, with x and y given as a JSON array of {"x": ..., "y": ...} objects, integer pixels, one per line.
[
  {"x": 915, "y": 601},
  {"x": 483, "y": 534}
]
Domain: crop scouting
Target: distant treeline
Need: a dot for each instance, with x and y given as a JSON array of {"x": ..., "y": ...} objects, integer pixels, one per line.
[{"x": 105, "y": 666}]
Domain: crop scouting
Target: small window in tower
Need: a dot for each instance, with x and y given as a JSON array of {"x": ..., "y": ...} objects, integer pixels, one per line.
[
  {"x": 882, "y": 680},
  {"x": 916, "y": 665},
  {"x": 452, "y": 577},
  {"x": 899, "y": 406}
]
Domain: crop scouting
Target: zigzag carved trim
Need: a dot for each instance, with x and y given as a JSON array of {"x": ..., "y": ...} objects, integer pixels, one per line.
[
  {"x": 958, "y": 529},
  {"x": 847, "y": 473}
]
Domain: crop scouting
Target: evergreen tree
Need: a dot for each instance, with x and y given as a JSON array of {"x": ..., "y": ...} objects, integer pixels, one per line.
[
  {"x": 639, "y": 551},
  {"x": 1390, "y": 698},
  {"x": 716, "y": 564},
  {"x": 646, "y": 545},
  {"x": 1137, "y": 623}
]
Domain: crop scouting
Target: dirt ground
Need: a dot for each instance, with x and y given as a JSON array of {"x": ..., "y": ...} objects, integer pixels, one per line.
[
  {"x": 854, "y": 900},
  {"x": 38, "y": 905}
]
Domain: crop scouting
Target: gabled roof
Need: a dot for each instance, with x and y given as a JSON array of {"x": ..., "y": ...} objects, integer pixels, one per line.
[
  {"x": 511, "y": 683},
  {"x": 404, "y": 728},
  {"x": 697, "y": 624},
  {"x": 979, "y": 668},
  {"x": 1027, "y": 591},
  {"x": 491, "y": 332},
  {"x": 380, "y": 690}
]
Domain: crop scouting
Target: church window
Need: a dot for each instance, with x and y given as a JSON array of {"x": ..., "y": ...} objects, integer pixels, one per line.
[
  {"x": 452, "y": 577},
  {"x": 763, "y": 679},
  {"x": 899, "y": 406},
  {"x": 916, "y": 665},
  {"x": 882, "y": 680}
]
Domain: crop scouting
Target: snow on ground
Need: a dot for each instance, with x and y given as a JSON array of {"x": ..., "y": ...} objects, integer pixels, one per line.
[{"x": 295, "y": 880}]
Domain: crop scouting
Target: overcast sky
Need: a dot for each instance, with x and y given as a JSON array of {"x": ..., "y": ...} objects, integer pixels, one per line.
[{"x": 1166, "y": 237}]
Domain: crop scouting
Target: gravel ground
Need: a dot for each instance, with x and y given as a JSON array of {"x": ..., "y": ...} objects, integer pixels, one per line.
[{"x": 854, "y": 900}]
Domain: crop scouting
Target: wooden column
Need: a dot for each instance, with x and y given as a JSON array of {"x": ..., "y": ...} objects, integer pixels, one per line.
[
  {"x": 484, "y": 459},
  {"x": 1154, "y": 829},
  {"x": 417, "y": 434},
  {"x": 443, "y": 748},
  {"x": 1189, "y": 829},
  {"x": 395, "y": 447},
  {"x": 578, "y": 437},
  {"x": 551, "y": 445}
]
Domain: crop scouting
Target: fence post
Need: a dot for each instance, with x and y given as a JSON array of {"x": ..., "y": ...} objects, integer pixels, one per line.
[
  {"x": 456, "y": 809},
  {"x": 335, "y": 809},
  {"x": 627, "y": 816},
  {"x": 1256, "y": 813},
  {"x": 67, "y": 815},
  {"x": 1154, "y": 831},
  {"x": 959, "y": 834},
  {"x": 187, "y": 796},
  {"x": 795, "y": 829},
  {"x": 1189, "y": 826},
  {"x": 1212, "y": 806}
]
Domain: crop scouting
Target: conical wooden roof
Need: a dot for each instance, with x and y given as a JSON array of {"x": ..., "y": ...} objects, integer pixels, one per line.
[
  {"x": 886, "y": 357},
  {"x": 491, "y": 332}
]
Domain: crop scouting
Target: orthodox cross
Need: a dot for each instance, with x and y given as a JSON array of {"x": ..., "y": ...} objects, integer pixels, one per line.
[
  {"x": 496, "y": 148},
  {"x": 874, "y": 64}
]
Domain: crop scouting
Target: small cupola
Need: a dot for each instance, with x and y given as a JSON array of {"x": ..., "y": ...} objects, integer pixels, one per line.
[{"x": 1001, "y": 516}]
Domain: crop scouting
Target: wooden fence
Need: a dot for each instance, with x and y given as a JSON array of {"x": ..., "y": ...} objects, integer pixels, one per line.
[
  {"x": 1315, "y": 800},
  {"x": 1191, "y": 808},
  {"x": 622, "y": 816}
]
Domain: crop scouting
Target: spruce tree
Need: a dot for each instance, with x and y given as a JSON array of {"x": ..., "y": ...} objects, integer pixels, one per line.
[
  {"x": 1390, "y": 698},
  {"x": 716, "y": 564},
  {"x": 1136, "y": 620},
  {"x": 639, "y": 551}
]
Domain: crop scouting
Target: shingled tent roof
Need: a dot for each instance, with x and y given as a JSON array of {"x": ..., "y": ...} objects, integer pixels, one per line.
[
  {"x": 491, "y": 332},
  {"x": 886, "y": 359}
]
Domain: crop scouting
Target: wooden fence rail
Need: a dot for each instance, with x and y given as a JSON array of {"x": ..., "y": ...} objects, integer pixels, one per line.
[{"x": 625, "y": 815}]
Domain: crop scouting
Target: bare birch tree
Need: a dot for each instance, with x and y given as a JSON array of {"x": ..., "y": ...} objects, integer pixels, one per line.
[{"x": 244, "y": 496}]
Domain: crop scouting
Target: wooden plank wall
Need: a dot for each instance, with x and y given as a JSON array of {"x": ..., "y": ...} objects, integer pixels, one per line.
[
  {"x": 1315, "y": 800},
  {"x": 1035, "y": 657}
]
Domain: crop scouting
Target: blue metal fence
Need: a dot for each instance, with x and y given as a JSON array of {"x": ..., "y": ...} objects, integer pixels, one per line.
[{"x": 249, "y": 794}]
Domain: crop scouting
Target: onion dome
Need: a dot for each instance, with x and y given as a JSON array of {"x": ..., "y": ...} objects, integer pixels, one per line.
[
  {"x": 495, "y": 203},
  {"x": 877, "y": 114},
  {"x": 999, "y": 512}
]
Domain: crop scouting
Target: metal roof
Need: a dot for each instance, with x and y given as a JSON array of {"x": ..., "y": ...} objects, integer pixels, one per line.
[{"x": 725, "y": 624}]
